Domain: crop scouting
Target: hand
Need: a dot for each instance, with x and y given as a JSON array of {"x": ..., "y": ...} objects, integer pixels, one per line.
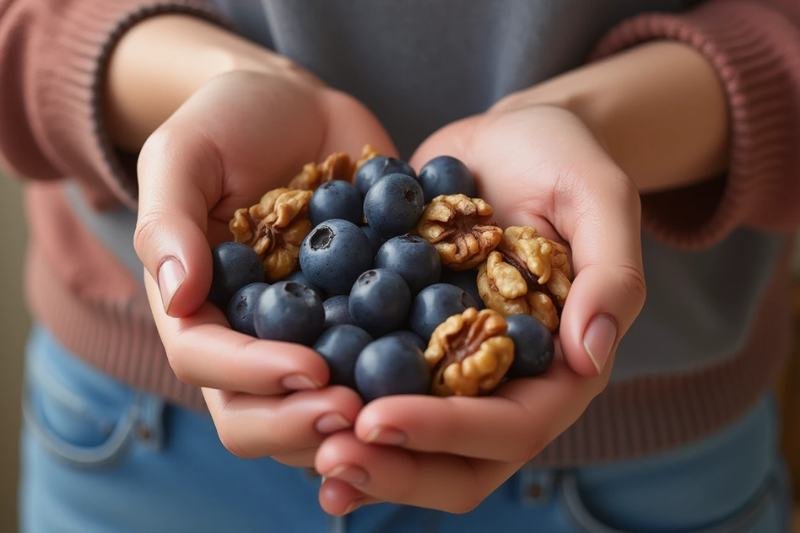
[
  {"x": 538, "y": 166},
  {"x": 238, "y": 136}
]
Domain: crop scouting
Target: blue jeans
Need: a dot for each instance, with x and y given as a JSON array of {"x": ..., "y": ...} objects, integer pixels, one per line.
[{"x": 98, "y": 456}]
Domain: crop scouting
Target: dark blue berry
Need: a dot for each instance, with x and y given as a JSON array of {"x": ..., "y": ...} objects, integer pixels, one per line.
[
  {"x": 446, "y": 175},
  {"x": 435, "y": 304},
  {"x": 336, "y": 199},
  {"x": 336, "y": 311},
  {"x": 379, "y": 301},
  {"x": 374, "y": 239},
  {"x": 340, "y": 346},
  {"x": 414, "y": 258},
  {"x": 378, "y": 167},
  {"x": 235, "y": 265},
  {"x": 391, "y": 366},
  {"x": 334, "y": 254},
  {"x": 409, "y": 336},
  {"x": 467, "y": 280},
  {"x": 242, "y": 307},
  {"x": 533, "y": 346},
  {"x": 299, "y": 277},
  {"x": 393, "y": 205},
  {"x": 291, "y": 312}
]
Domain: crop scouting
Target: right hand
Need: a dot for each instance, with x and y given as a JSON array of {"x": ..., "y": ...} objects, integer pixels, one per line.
[{"x": 238, "y": 136}]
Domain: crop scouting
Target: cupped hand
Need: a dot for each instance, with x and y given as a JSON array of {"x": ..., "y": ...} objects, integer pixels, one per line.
[
  {"x": 238, "y": 136},
  {"x": 536, "y": 166}
]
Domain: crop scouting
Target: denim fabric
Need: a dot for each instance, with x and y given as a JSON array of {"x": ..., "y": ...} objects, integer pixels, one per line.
[{"x": 98, "y": 456}]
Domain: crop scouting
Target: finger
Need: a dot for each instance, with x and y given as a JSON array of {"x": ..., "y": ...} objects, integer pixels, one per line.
[
  {"x": 298, "y": 459},
  {"x": 351, "y": 126},
  {"x": 179, "y": 179},
  {"x": 436, "y": 481},
  {"x": 258, "y": 426},
  {"x": 514, "y": 424},
  {"x": 339, "y": 498},
  {"x": 204, "y": 351}
]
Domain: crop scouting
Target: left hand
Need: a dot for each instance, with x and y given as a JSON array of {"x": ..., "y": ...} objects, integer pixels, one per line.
[{"x": 539, "y": 166}]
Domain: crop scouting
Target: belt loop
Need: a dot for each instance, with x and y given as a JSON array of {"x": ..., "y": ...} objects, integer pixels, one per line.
[
  {"x": 150, "y": 423},
  {"x": 537, "y": 486}
]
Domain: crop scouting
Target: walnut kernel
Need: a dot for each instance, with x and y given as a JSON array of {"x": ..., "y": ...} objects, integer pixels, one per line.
[
  {"x": 336, "y": 166},
  {"x": 461, "y": 229},
  {"x": 469, "y": 353},
  {"x": 275, "y": 227}
]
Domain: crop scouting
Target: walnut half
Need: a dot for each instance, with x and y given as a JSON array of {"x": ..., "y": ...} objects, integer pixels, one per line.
[
  {"x": 275, "y": 227},
  {"x": 336, "y": 166},
  {"x": 469, "y": 353},
  {"x": 461, "y": 229},
  {"x": 526, "y": 274}
]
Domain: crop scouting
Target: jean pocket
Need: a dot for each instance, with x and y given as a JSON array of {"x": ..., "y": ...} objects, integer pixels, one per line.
[{"x": 78, "y": 413}]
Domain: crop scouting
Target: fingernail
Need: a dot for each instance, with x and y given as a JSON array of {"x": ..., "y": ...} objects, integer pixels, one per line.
[
  {"x": 599, "y": 339},
  {"x": 298, "y": 382},
  {"x": 331, "y": 423},
  {"x": 386, "y": 435},
  {"x": 351, "y": 474},
  {"x": 170, "y": 277}
]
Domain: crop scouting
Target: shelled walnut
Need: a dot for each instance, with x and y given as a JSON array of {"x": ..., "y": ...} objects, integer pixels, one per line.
[
  {"x": 461, "y": 229},
  {"x": 336, "y": 166},
  {"x": 469, "y": 353},
  {"x": 527, "y": 274},
  {"x": 275, "y": 227}
]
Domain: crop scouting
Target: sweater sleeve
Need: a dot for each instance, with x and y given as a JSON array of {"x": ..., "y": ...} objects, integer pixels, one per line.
[
  {"x": 754, "y": 46},
  {"x": 53, "y": 54}
]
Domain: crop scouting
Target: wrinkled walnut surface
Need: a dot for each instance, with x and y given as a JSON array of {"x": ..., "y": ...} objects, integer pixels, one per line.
[
  {"x": 526, "y": 274},
  {"x": 461, "y": 229},
  {"x": 336, "y": 166},
  {"x": 275, "y": 227},
  {"x": 469, "y": 353}
]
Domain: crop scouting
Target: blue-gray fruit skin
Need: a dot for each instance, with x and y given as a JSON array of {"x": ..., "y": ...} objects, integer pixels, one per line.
[
  {"x": 467, "y": 280},
  {"x": 336, "y": 311},
  {"x": 414, "y": 258},
  {"x": 446, "y": 175},
  {"x": 379, "y": 301},
  {"x": 242, "y": 307},
  {"x": 533, "y": 346},
  {"x": 393, "y": 205},
  {"x": 234, "y": 266},
  {"x": 336, "y": 199},
  {"x": 375, "y": 240},
  {"x": 391, "y": 366},
  {"x": 409, "y": 336},
  {"x": 378, "y": 167},
  {"x": 340, "y": 346},
  {"x": 435, "y": 304},
  {"x": 291, "y": 312},
  {"x": 334, "y": 254},
  {"x": 299, "y": 277}
]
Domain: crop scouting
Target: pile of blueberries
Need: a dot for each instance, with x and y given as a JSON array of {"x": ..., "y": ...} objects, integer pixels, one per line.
[{"x": 369, "y": 293}]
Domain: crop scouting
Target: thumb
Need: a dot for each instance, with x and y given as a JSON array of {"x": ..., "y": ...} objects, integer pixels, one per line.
[{"x": 179, "y": 174}]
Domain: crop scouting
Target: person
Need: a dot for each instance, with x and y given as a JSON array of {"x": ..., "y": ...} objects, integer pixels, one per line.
[{"x": 587, "y": 120}]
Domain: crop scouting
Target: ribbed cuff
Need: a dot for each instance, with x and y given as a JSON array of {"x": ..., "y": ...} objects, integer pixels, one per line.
[
  {"x": 756, "y": 53},
  {"x": 70, "y": 87}
]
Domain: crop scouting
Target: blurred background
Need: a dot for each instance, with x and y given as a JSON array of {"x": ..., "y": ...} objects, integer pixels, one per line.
[{"x": 14, "y": 324}]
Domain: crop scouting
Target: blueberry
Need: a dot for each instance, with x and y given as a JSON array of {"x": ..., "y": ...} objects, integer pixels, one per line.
[
  {"x": 434, "y": 304},
  {"x": 465, "y": 279},
  {"x": 334, "y": 254},
  {"x": 243, "y": 305},
  {"x": 446, "y": 175},
  {"x": 336, "y": 311},
  {"x": 379, "y": 301},
  {"x": 391, "y": 366},
  {"x": 336, "y": 199},
  {"x": 291, "y": 312},
  {"x": 299, "y": 277},
  {"x": 235, "y": 265},
  {"x": 378, "y": 167},
  {"x": 374, "y": 239},
  {"x": 414, "y": 258},
  {"x": 340, "y": 346},
  {"x": 533, "y": 346},
  {"x": 393, "y": 205},
  {"x": 409, "y": 336}
]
